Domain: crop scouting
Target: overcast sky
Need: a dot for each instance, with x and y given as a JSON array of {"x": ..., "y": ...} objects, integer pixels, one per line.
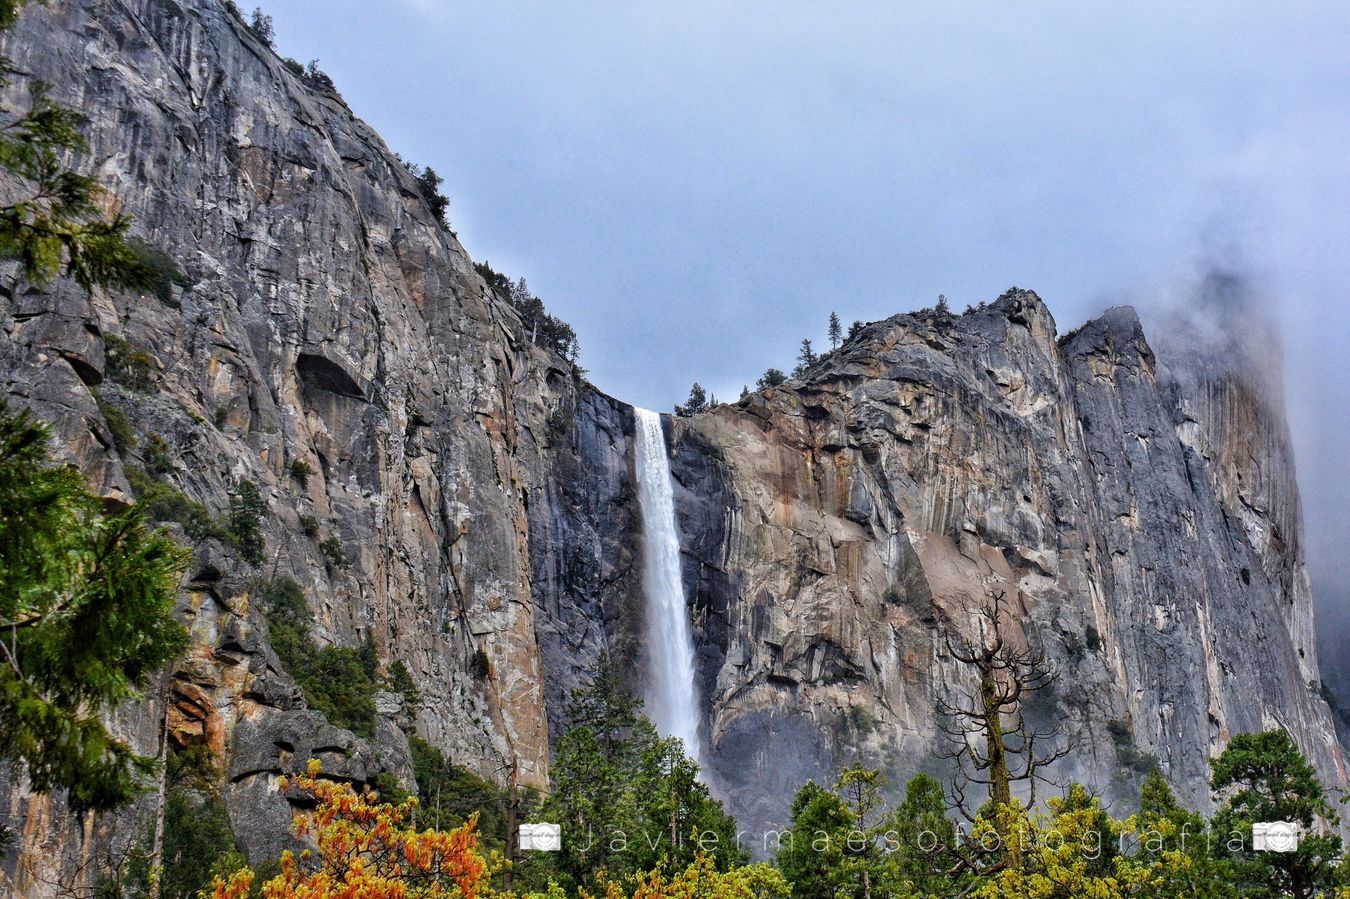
[{"x": 696, "y": 185}]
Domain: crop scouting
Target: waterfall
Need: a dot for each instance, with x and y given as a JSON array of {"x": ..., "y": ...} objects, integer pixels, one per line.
[{"x": 670, "y": 691}]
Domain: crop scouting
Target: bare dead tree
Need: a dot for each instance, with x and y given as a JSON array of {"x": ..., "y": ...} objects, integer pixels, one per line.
[{"x": 992, "y": 744}]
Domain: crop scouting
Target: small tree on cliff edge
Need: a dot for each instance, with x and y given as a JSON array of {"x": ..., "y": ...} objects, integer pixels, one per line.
[
  {"x": 836, "y": 331},
  {"x": 697, "y": 402},
  {"x": 771, "y": 378},
  {"x": 806, "y": 357}
]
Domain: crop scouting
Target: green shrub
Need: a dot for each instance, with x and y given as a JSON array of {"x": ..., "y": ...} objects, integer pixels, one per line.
[
  {"x": 199, "y": 845},
  {"x": 334, "y": 556},
  {"x": 482, "y": 665},
  {"x": 300, "y": 470},
  {"x": 193, "y": 767},
  {"x": 1127, "y": 750},
  {"x": 311, "y": 75},
  {"x": 243, "y": 522},
  {"x": 399, "y": 680},
  {"x": 341, "y": 682},
  {"x": 288, "y": 622},
  {"x": 123, "y": 437},
  {"x": 860, "y": 721},
  {"x": 338, "y": 681},
  {"x": 309, "y": 525},
  {"x": 771, "y": 378},
  {"x": 390, "y": 790},
  {"x": 162, "y": 502},
  {"x": 241, "y": 527},
  {"x": 560, "y": 423},
  {"x": 1093, "y": 638},
  {"x": 157, "y": 456},
  {"x": 450, "y": 793},
  {"x": 159, "y": 273},
  {"x": 127, "y": 364}
]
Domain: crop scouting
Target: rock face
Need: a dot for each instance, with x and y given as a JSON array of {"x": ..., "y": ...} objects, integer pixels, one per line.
[
  {"x": 1142, "y": 517},
  {"x": 1142, "y": 520},
  {"x": 331, "y": 320}
]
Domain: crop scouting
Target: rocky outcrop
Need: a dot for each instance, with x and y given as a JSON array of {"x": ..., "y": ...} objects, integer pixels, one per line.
[
  {"x": 1141, "y": 518},
  {"x": 1138, "y": 510}
]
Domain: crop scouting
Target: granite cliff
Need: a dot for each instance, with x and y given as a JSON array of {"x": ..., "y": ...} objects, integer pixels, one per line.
[{"x": 1139, "y": 507}]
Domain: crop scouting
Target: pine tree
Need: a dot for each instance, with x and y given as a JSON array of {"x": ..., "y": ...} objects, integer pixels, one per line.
[
  {"x": 861, "y": 791},
  {"x": 771, "y": 378},
  {"x": 924, "y": 840},
  {"x": 806, "y": 357},
  {"x": 429, "y": 184},
  {"x": 1178, "y": 841},
  {"x": 86, "y": 610},
  {"x": 810, "y": 853},
  {"x": 836, "y": 331},
  {"x": 834, "y": 845},
  {"x": 261, "y": 26},
  {"x": 697, "y": 402},
  {"x": 627, "y": 800},
  {"x": 1266, "y": 778},
  {"x": 244, "y": 522}
]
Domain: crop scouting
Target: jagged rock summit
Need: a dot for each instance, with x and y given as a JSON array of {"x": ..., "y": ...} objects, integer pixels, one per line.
[{"x": 470, "y": 509}]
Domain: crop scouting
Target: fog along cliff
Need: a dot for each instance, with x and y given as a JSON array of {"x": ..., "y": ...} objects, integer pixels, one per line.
[{"x": 1142, "y": 519}]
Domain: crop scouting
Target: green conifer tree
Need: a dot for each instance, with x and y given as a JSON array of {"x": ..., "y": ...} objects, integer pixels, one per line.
[{"x": 86, "y": 618}]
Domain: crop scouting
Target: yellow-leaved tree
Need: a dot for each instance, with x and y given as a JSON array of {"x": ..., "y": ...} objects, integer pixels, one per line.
[
  {"x": 1073, "y": 852},
  {"x": 702, "y": 880}
]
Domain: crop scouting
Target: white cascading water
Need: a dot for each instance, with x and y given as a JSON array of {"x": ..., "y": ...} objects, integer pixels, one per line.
[{"x": 670, "y": 692}]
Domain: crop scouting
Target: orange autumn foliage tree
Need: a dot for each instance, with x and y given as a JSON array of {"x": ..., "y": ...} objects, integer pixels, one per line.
[{"x": 368, "y": 850}]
